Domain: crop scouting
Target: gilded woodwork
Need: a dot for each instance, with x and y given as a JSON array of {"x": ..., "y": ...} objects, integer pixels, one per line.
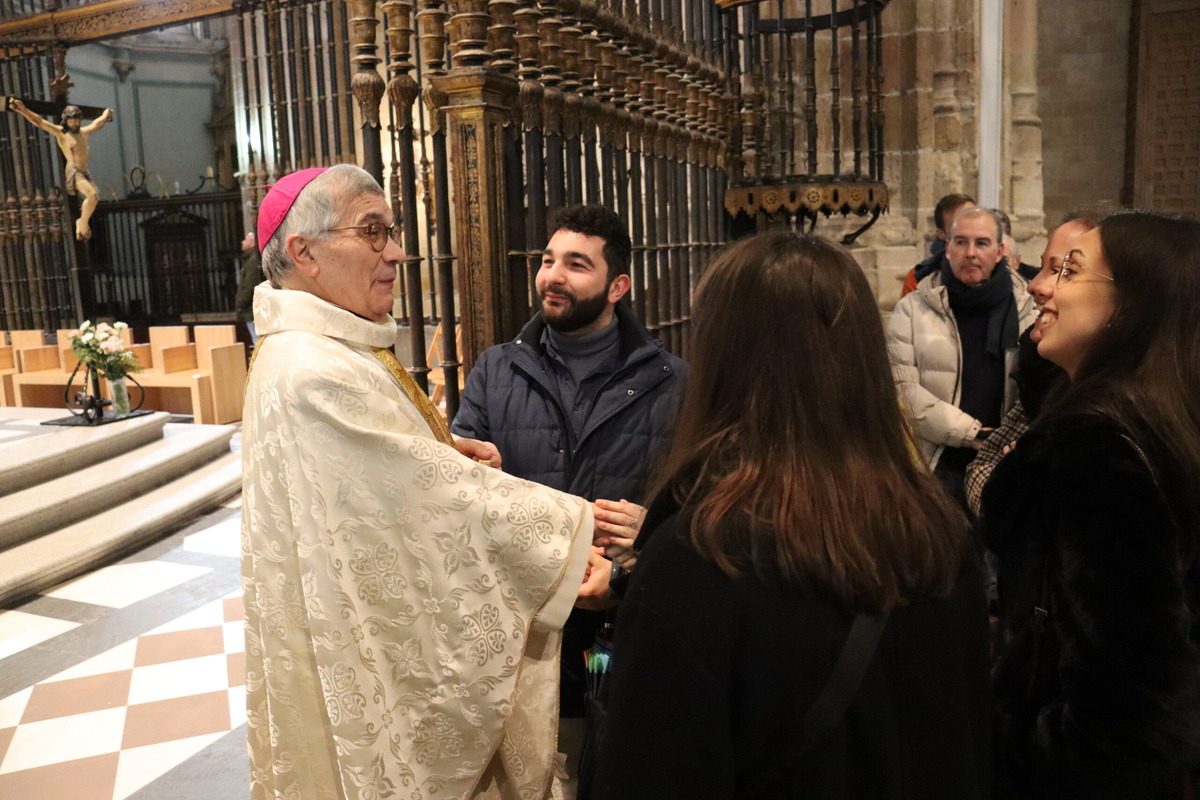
[
  {"x": 476, "y": 115},
  {"x": 527, "y": 18},
  {"x": 550, "y": 50},
  {"x": 468, "y": 30},
  {"x": 809, "y": 199},
  {"x": 402, "y": 88},
  {"x": 367, "y": 85},
  {"x": 673, "y": 118},
  {"x": 502, "y": 35},
  {"x": 104, "y": 20},
  {"x": 431, "y": 22}
]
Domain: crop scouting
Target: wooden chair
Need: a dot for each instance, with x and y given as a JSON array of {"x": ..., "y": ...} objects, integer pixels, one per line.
[
  {"x": 8, "y": 368},
  {"x": 41, "y": 374},
  {"x": 42, "y": 370},
  {"x": 23, "y": 339},
  {"x": 205, "y": 378}
]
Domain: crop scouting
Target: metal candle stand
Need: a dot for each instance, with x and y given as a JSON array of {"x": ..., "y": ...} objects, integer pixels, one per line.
[{"x": 91, "y": 405}]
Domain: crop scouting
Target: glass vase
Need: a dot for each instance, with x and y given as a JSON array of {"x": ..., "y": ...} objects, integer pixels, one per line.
[{"x": 120, "y": 396}]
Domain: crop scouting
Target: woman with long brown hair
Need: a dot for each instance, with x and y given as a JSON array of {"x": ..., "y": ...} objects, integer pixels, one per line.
[
  {"x": 1094, "y": 517},
  {"x": 806, "y": 618}
]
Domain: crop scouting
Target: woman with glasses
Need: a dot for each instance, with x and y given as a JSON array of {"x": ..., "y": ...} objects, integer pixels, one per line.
[
  {"x": 1095, "y": 518},
  {"x": 807, "y": 616}
]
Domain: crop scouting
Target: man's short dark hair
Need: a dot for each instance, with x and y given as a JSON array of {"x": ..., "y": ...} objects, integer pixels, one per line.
[
  {"x": 950, "y": 201},
  {"x": 603, "y": 223}
]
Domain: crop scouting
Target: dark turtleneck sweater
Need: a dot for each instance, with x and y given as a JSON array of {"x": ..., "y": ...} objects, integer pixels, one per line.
[{"x": 582, "y": 365}]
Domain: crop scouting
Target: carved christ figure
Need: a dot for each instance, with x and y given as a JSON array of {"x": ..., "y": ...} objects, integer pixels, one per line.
[{"x": 72, "y": 139}]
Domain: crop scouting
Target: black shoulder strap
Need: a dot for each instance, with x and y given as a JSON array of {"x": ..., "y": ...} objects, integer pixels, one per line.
[{"x": 830, "y": 706}]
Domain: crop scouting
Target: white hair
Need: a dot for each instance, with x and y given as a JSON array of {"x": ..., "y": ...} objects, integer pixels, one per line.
[{"x": 317, "y": 209}]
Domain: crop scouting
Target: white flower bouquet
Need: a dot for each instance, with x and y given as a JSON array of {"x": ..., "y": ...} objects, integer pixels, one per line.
[{"x": 101, "y": 348}]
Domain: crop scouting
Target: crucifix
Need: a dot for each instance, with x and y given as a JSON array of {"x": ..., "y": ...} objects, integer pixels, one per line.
[{"x": 72, "y": 137}]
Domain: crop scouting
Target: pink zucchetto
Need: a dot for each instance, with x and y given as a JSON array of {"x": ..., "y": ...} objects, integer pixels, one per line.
[{"x": 278, "y": 202}]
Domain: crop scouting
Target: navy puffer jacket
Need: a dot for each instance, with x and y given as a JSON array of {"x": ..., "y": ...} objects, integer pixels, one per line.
[{"x": 511, "y": 400}]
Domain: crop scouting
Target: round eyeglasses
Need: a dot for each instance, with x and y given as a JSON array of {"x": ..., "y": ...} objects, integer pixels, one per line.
[{"x": 374, "y": 232}]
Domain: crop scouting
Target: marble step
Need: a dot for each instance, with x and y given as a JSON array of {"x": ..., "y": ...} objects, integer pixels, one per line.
[
  {"x": 96, "y": 486},
  {"x": 67, "y": 448},
  {"x": 54, "y": 557}
]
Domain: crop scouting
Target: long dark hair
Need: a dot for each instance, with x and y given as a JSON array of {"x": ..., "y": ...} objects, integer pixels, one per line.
[
  {"x": 792, "y": 450},
  {"x": 1143, "y": 368}
]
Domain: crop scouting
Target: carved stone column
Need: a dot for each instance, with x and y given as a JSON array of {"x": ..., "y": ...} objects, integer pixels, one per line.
[
  {"x": 479, "y": 102},
  {"x": 948, "y": 140},
  {"x": 1025, "y": 126}
]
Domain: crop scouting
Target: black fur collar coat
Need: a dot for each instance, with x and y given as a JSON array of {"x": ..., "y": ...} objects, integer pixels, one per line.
[{"x": 1097, "y": 682}]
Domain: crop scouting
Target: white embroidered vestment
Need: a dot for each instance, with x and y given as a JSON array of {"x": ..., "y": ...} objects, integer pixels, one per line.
[{"x": 402, "y": 601}]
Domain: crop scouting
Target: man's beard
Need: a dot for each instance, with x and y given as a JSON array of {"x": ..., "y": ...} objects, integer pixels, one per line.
[{"x": 576, "y": 314}]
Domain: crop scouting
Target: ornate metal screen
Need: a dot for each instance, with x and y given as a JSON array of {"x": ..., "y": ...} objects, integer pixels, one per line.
[
  {"x": 810, "y": 74},
  {"x": 36, "y": 261},
  {"x": 481, "y": 117},
  {"x": 492, "y": 114}
]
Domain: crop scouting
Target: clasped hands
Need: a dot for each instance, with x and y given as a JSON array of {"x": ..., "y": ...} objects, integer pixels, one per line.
[{"x": 617, "y": 523}]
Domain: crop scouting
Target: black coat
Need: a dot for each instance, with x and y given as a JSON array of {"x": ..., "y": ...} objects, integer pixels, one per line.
[
  {"x": 511, "y": 400},
  {"x": 1104, "y": 702},
  {"x": 712, "y": 674}
]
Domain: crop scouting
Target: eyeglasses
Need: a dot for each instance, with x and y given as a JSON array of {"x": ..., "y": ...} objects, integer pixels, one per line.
[
  {"x": 374, "y": 232},
  {"x": 1069, "y": 272}
]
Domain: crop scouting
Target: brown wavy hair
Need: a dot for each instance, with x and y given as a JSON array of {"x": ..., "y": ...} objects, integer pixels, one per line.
[{"x": 792, "y": 452}]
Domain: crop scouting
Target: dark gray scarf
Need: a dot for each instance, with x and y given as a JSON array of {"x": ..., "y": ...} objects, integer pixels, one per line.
[{"x": 995, "y": 296}]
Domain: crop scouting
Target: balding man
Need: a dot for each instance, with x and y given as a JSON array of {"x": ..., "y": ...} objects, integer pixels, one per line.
[
  {"x": 953, "y": 343},
  {"x": 403, "y": 600}
]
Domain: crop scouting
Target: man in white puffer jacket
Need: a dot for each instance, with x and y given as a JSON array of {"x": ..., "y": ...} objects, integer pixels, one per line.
[{"x": 953, "y": 345}]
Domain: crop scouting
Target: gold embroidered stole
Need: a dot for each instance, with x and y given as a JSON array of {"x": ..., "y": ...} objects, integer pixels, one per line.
[
  {"x": 428, "y": 410},
  {"x": 419, "y": 399}
]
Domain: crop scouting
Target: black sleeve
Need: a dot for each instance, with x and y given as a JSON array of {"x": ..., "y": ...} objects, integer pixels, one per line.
[{"x": 668, "y": 709}]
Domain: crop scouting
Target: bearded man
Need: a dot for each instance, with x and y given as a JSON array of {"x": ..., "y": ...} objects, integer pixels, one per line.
[
  {"x": 402, "y": 599},
  {"x": 583, "y": 399}
]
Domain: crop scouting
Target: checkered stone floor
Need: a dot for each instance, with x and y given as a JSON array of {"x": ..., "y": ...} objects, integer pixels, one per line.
[{"x": 129, "y": 682}]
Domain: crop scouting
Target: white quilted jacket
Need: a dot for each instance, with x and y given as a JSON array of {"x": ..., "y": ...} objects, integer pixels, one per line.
[{"x": 927, "y": 363}]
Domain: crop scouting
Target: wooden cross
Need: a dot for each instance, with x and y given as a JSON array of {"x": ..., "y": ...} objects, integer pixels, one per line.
[
  {"x": 53, "y": 108},
  {"x": 59, "y": 87}
]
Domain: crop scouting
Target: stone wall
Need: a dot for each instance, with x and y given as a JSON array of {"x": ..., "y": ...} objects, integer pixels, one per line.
[
  {"x": 1083, "y": 74},
  {"x": 929, "y": 106}
]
